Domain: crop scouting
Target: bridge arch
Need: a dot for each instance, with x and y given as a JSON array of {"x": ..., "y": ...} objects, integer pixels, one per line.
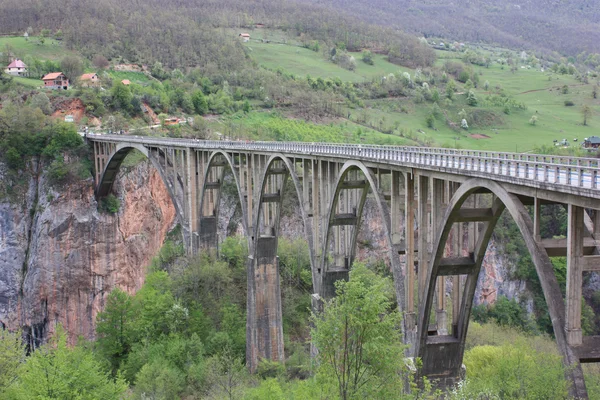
[
  {"x": 442, "y": 355},
  {"x": 107, "y": 178},
  {"x": 349, "y": 217},
  {"x": 210, "y": 195},
  {"x": 264, "y": 314},
  {"x": 279, "y": 165}
]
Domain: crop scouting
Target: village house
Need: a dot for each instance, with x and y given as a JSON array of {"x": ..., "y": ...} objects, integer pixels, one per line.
[
  {"x": 245, "y": 36},
  {"x": 88, "y": 80},
  {"x": 126, "y": 82},
  {"x": 16, "y": 68},
  {"x": 56, "y": 80}
]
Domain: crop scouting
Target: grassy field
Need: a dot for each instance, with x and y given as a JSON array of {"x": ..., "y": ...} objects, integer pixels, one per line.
[
  {"x": 50, "y": 50},
  {"x": 275, "y": 126},
  {"x": 33, "y": 83},
  {"x": 540, "y": 92},
  {"x": 302, "y": 61},
  {"x": 138, "y": 77}
]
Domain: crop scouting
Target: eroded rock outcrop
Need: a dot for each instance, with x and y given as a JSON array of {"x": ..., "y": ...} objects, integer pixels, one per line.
[{"x": 60, "y": 256}]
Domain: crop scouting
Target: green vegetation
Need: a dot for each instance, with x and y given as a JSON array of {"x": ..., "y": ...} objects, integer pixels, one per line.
[
  {"x": 271, "y": 126},
  {"x": 360, "y": 349},
  {"x": 301, "y": 61},
  {"x": 110, "y": 204},
  {"x": 504, "y": 363},
  {"x": 137, "y": 77},
  {"x": 54, "y": 371}
]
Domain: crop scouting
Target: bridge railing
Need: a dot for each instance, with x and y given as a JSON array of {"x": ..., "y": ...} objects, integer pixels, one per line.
[{"x": 569, "y": 171}]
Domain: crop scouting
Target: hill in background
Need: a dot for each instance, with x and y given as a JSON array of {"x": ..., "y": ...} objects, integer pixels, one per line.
[{"x": 569, "y": 27}]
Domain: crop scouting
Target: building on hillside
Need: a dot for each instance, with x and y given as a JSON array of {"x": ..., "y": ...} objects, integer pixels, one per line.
[
  {"x": 245, "y": 36},
  {"x": 16, "y": 68},
  {"x": 126, "y": 82},
  {"x": 56, "y": 80},
  {"x": 88, "y": 80}
]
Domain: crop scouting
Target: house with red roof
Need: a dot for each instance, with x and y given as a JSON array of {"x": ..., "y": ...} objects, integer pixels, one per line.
[
  {"x": 88, "y": 80},
  {"x": 245, "y": 36},
  {"x": 56, "y": 80},
  {"x": 126, "y": 82},
  {"x": 16, "y": 68}
]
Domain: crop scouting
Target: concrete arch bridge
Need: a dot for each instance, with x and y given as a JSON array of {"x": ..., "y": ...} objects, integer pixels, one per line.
[{"x": 438, "y": 207}]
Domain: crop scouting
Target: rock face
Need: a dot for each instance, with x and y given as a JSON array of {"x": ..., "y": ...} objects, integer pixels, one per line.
[{"x": 60, "y": 256}]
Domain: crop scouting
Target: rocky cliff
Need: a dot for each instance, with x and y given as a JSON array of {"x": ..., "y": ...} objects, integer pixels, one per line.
[{"x": 60, "y": 256}]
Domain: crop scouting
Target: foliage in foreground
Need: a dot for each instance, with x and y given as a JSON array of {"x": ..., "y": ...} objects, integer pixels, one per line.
[
  {"x": 360, "y": 348},
  {"x": 55, "y": 371}
]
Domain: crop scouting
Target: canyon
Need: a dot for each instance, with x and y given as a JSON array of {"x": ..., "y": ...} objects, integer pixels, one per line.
[{"x": 60, "y": 256}]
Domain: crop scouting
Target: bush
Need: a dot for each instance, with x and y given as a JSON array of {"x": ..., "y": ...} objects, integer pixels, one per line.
[
  {"x": 14, "y": 158},
  {"x": 111, "y": 204},
  {"x": 430, "y": 121},
  {"x": 58, "y": 171},
  {"x": 515, "y": 371},
  {"x": 569, "y": 103}
]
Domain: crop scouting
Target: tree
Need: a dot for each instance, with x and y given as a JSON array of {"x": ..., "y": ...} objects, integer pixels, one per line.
[
  {"x": 586, "y": 112},
  {"x": 226, "y": 376},
  {"x": 200, "y": 103},
  {"x": 44, "y": 33},
  {"x": 471, "y": 98},
  {"x": 430, "y": 120},
  {"x": 450, "y": 88},
  {"x": 100, "y": 61},
  {"x": 360, "y": 348},
  {"x": 56, "y": 371},
  {"x": 367, "y": 57},
  {"x": 12, "y": 355},
  {"x": 121, "y": 97},
  {"x": 114, "y": 327},
  {"x": 72, "y": 67},
  {"x": 533, "y": 120},
  {"x": 42, "y": 102}
]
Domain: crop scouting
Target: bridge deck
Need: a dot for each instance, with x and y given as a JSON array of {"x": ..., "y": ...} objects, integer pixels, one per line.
[{"x": 570, "y": 175}]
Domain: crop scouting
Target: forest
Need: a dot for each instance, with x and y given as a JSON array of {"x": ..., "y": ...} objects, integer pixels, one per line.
[
  {"x": 183, "y": 336},
  {"x": 568, "y": 28}
]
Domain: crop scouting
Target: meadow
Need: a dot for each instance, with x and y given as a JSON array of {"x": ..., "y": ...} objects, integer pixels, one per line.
[
  {"x": 51, "y": 49},
  {"x": 540, "y": 92},
  {"x": 301, "y": 61}
]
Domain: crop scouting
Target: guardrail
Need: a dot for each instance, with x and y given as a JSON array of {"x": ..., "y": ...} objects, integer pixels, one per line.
[{"x": 573, "y": 172}]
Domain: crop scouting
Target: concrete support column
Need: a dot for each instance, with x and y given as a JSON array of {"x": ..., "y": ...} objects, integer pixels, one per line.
[
  {"x": 596, "y": 233},
  {"x": 456, "y": 280},
  {"x": 306, "y": 186},
  {"x": 574, "y": 275},
  {"x": 191, "y": 191},
  {"x": 265, "y": 317},
  {"x": 423, "y": 246},
  {"x": 437, "y": 201},
  {"x": 410, "y": 251},
  {"x": 396, "y": 207},
  {"x": 536, "y": 219},
  {"x": 250, "y": 184}
]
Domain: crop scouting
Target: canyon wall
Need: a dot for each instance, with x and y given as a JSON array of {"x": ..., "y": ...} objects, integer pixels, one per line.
[{"x": 60, "y": 256}]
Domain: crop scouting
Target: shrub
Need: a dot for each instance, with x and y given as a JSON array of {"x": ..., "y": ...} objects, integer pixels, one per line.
[
  {"x": 58, "y": 171},
  {"x": 569, "y": 103},
  {"x": 14, "y": 158},
  {"x": 430, "y": 121},
  {"x": 111, "y": 204}
]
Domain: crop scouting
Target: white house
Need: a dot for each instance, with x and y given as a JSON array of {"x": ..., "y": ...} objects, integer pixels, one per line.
[{"x": 16, "y": 68}]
